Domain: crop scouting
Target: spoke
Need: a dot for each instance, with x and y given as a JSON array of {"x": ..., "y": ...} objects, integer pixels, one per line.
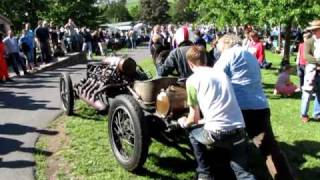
[{"x": 123, "y": 132}]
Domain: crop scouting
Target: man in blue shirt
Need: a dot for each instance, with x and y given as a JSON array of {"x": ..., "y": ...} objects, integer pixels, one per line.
[
  {"x": 244, "y": 72},
  {"x": 26, "y": 44}
]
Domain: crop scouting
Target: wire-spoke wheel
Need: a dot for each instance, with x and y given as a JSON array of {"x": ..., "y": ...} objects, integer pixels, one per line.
[
  {"x": 66, "y": 93},
  {"x": 128, "y": 133}
]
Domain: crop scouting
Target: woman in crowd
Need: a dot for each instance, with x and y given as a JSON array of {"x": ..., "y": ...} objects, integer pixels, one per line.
[{"x": 257, "y": 49}]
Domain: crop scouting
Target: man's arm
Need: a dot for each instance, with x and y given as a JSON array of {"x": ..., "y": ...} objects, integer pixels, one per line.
[
  {"x": 194, "y": 109},
  {"x": 168, "y": 66}
]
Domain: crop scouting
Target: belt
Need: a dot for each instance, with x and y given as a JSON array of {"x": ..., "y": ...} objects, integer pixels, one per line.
[
  {"x": 231, "y": 132},
  {"x": 236, "y": 136}
]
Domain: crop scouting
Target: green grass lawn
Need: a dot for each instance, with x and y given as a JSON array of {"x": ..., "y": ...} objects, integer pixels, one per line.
[{"x": 88, "y": 154}]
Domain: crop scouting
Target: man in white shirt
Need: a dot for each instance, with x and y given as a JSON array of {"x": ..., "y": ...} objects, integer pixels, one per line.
[{"x": 223, "y": 126}]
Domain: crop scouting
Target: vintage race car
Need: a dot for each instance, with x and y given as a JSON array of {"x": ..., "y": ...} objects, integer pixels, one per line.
[{"x": 139, "y": 108}]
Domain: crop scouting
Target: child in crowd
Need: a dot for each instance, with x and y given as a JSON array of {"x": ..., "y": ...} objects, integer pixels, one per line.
[{"x": 284, "y": 86}]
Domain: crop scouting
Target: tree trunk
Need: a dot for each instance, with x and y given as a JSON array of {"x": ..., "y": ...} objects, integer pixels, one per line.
[{"x": 286, "y": 54}]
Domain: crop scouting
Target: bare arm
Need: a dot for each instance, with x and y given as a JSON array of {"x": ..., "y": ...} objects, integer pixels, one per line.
[{"x": 308, "y": 54}]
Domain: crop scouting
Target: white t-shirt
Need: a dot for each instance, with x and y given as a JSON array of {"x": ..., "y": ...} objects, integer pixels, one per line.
[{"x": 212, "y": 91}]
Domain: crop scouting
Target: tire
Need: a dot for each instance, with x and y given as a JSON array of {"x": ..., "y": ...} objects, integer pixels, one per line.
[
  {"x": 66, "y": 94},
  {"x": 127, "y": 127}
]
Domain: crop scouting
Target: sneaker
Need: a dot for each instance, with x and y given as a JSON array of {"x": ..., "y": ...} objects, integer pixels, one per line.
[
  {"x": 305, "y": 119},
  {"x": 275, "y": 92},
  {"x": 317, "y": 118}
]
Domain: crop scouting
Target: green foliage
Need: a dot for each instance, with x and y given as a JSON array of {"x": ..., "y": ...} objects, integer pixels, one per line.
[
  {"x": 83, "y": 12},
  {"x": 258, "y": 12},
  {"x": 135, "y": 12},
  {"x": 155, "y": 11},
  {"x": 274, "y": 12},
  {"x": 116, "y": 11},
  {"x": 20, "y": 11},
  {"x": 182, "y": 12}
]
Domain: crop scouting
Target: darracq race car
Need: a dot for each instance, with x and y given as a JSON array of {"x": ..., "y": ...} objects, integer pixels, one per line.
[{"x": 139, "y": 108}]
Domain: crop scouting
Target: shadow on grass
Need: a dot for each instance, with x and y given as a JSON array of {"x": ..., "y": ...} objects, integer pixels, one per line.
[
  {"x": 88, "y": 117},
  {"x": 153, "y": 175},
  {"x": 297, "y": 155},
  {"x": 173, "y": 164}
]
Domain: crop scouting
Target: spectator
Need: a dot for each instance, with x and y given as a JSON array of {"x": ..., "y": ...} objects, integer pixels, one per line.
[
  {"x": 53, "y": 31},
  {"x": 171, "y": 32},
  {"x": 12, "y": 49},
  {"x": 176, "y": 61},
  {"x": 165, "y": 36},
  {"x": 312, "y": 55},
  {"x": 61, "y": 39},
  {"x": 87, "y": 44},
  {"x": 246, "y": 41},
  {"x": 214, "y": 53},
  {"x": 156, "y": 30},
  {"x": 199, "y": 40},
  {"x": 101, "y": 41},
  {"x": 95, "y": 42},
  {"x": 37, "y": 44},
  {"x": 133, "y": 38},
  {"x": 284, "y": 86},
  {"x": 31, "y": 39},
  {"x": 42, "y": 34},
  {"x": 301, "y": 60},
  {"x": 257, "y": 49},
  {"x": 26, "y": 45},
  {"x": 160, "y": 52},
  {"x": 223, "y": 127},
  {"x": 4, "y": 75},
  {"x": 243, "y": 70},
  {"x": 71, "y": 29}
]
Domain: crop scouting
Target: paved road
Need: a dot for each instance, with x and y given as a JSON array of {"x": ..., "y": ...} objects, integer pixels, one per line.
[
  {"x": 140, "y": 53},
  {"x": 27, "y": 106}
]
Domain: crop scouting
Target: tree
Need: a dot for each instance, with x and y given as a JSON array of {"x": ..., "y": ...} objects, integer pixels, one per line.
[
  {"x": 20, "y": 11},
  {"x": 83, "y": 12},
  {"x": 258, "y": 12},
  {"x": 155, "y": 11},
  {"x": 116, "y": 11},
  {"x": 135, "y": 12},
  {"x": 290, "y": 13},
  {"x": 182, "y": 12}
]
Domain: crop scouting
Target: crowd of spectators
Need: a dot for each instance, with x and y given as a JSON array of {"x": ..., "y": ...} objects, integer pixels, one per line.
[{"x": 32, "y": 48}]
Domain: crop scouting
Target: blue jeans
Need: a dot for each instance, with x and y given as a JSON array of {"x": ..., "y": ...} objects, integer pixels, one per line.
[
  {"x": 226, "y": 158},
  {"x": 305, "y": 101},
  {"x": 14, "y": 60}
]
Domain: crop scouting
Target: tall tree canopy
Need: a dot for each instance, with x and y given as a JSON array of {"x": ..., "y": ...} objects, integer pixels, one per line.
[
  {"x": 116, "y": 11},
  {"x": 258, "y": 12},
  {"x": 182, "y": 13},
  {"x": 20, "y": 11},
  {"x": 83, "y": 12},
  {"x": 155, "y": 11}
]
